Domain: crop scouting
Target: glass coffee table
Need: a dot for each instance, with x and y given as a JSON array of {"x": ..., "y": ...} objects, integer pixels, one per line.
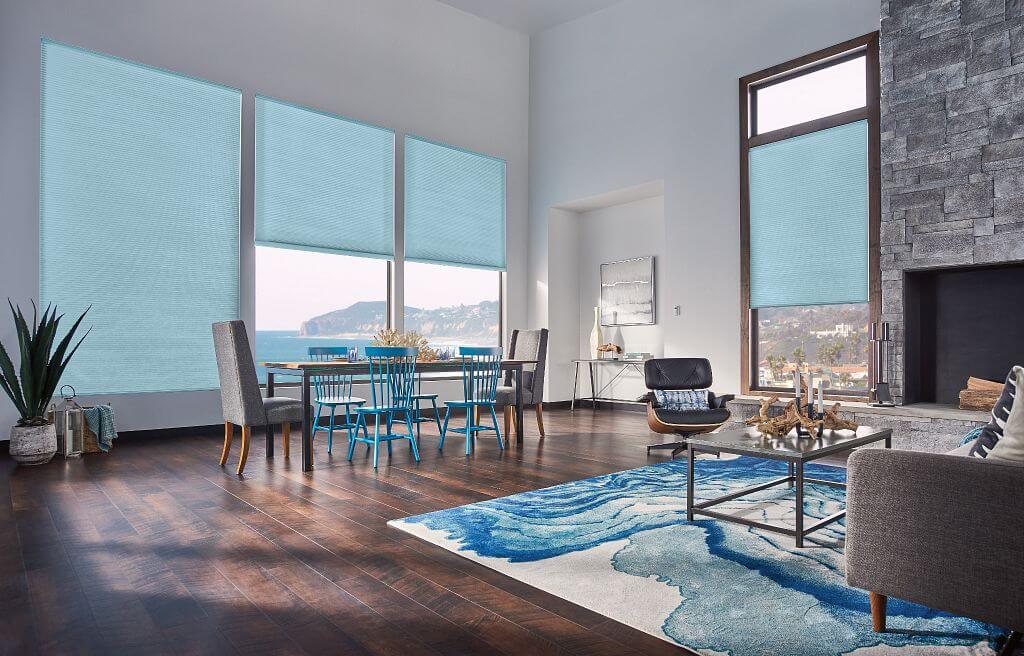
[{"x": 794, "y": 451}]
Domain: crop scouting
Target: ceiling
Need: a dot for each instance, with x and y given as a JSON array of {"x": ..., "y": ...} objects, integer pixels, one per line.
[{"x": 530, "y": 16}]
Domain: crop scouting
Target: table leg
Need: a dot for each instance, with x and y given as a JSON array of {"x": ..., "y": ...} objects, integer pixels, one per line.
[
  {"x": 690, "y": 456},
  {"x": 307, "y": 434},
  {"x": 888, "y": 442},
  {"x": 575, "y": 384},
  {"x": 789, "y": 472},
  {"x": 270, "y": 427},
  {"x": 799, "y": 503},
  {"x": 519, "y": 406},
  {"x": 593, "y": 388}
]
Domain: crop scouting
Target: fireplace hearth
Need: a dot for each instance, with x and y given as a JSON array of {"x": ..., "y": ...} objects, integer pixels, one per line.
[{"x": 960, "y": 322}]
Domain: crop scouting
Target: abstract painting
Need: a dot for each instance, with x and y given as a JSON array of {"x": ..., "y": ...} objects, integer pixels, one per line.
[{"x": 627, "y": 292}]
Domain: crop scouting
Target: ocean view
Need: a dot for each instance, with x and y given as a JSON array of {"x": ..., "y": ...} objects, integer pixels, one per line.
[{"x": 289, "y": 345}]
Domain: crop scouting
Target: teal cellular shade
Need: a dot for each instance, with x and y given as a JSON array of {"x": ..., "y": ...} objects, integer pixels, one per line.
[
  {"x": 454, "y": 206},
  {"x": 138, "y": 218},
  {"x": 809, "y": 219},
  {"x": 323, "y": 183}
]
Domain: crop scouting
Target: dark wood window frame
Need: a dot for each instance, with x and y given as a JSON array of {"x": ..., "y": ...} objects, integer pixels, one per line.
[{"x": 866, "y": 46}]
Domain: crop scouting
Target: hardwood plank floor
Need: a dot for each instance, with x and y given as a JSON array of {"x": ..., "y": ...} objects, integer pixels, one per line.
[{"x": 154, "y": 549}]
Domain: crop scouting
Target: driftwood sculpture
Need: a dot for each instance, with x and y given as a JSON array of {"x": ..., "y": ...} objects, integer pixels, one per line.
[
  {"x": 834, "y": 422},
  {"x": 792, "y": 416}
]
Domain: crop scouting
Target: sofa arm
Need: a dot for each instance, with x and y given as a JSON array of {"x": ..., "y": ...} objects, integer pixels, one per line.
[{"x": 943, "y": 531}]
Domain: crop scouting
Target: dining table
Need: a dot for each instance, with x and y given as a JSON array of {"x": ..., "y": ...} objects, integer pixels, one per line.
[{"x": 307, "y": 371}]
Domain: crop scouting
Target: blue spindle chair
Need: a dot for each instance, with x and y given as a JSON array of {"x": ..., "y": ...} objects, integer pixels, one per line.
[
  {"x": 333, "y": 391},
  {"x": 418, "y": 398},
  {"x": 392, "y": 382},
  {"x": 481, "y": 368}
]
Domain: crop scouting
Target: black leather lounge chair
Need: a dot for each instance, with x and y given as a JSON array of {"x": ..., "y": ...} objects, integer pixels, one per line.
[{"x": 682, "y": 374}]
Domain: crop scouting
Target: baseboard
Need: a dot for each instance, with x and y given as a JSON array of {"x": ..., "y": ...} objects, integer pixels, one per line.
[{"x": 614, "y": 406}]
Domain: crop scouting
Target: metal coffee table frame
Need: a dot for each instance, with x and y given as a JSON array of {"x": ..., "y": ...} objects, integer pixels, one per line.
[{"x": 795, "y": 478}]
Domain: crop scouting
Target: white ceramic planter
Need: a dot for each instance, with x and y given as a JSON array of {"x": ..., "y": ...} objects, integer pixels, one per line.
[{"x": 33, "y": 445}]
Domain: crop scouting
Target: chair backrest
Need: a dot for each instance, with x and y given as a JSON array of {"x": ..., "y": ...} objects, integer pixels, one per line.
[
  {"x": 481, "y": 368},
  {"x": 392, "y": 375},
  {"x": 333, "y": 386},
  {"x": 530, "y": 345},
  {"x": 240, "y": 395},
  {"x": 677, "y": 373}
]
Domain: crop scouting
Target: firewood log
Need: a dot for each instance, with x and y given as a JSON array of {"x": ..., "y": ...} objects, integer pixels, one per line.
[
  {"x": 978, "y": 399},
  {"x": 982, "y": 385}
]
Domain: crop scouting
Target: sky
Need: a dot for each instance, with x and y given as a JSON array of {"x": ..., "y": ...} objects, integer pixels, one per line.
[{"x": 292, "y": 285}]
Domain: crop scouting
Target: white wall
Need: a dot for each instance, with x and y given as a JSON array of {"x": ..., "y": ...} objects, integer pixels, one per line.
[
  {"x": 415, "y": 66},
  {"x": 608, "y": 234},
  {"x": 647, "y": 90}
]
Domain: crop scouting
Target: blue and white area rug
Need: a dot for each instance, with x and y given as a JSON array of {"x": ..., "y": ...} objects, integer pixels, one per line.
[{"x": 620, "y": 545}]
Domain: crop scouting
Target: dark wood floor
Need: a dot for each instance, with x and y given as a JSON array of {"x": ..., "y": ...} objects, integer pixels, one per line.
[{"x": 154, "y": 549}]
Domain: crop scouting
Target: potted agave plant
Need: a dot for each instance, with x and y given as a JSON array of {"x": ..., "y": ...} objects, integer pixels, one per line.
[{"x": 34, "y": 437}]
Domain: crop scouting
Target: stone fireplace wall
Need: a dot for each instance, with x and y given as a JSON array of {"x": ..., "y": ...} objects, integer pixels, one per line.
[{"x": 952, "y": 118}]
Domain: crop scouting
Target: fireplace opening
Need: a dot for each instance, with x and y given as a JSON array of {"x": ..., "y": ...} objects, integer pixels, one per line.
[{"x": 960, "y": 322}]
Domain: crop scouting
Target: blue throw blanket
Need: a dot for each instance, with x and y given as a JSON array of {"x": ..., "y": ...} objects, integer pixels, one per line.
[{"x": 101, "y": 422}]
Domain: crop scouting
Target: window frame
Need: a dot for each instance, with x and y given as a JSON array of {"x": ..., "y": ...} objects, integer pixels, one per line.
[{"x": 867, "y": 46}]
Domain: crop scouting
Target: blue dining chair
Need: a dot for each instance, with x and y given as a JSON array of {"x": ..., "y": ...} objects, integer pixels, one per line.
[
  {"x": 418, "y": 398},
  {"x": 333, "y": 391},
  {"x": 481, "y": 368},
  {"x": 392, "y": 382}
]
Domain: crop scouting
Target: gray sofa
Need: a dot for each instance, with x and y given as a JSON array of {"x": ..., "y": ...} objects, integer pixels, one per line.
[{"x": 942, "y": 530}]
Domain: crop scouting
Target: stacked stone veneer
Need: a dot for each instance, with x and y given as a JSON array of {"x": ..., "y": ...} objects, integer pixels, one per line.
[{"x": 952, "y": 74}]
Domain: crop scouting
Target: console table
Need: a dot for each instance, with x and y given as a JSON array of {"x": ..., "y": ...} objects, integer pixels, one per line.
[{"x": 592, "y": 364}]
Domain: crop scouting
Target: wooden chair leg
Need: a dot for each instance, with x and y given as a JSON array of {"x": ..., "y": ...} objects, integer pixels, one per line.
[
  {"x": 246, "y": 438},
  {"x": 878, "y": 602},
  {"x": 286, "y": 437},
  {"x": 540, "y": 418},
  {"x": 508, "y": 420},
  {"x": 229, "y": 433}
]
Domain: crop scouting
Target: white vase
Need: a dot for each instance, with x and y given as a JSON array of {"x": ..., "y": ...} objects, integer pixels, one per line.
[
  {"x": 33, "y": 445},
  {"x": 595, "y": 334}
]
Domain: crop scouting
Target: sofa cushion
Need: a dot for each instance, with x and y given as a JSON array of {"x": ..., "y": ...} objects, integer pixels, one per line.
[{"x": 993, "y": 431}]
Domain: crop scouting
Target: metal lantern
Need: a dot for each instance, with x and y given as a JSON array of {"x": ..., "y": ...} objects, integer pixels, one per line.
[{"x": 69, "y": 421}]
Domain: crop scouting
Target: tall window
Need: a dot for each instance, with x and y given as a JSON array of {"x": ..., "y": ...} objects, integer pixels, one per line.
[
  {"x": 454, "y": 243},
  {"x": 809, "y": 218},
  {"x": 324, "y": 229},
  {"x": 138, "y": 217}
]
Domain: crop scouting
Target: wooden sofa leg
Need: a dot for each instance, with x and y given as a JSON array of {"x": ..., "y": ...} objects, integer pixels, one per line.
[
  {"x": 286, "y": 438},
  {"x": 246, "y": 438},
  {"x": 508, "y": 422},
  {"x": 878, "y": 602},
  {"x": 229, "y": 433},
  {"x": 540, "y": 418}
]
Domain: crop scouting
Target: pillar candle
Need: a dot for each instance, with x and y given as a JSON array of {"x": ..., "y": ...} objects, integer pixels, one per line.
[{"x": 821, "y": 396}]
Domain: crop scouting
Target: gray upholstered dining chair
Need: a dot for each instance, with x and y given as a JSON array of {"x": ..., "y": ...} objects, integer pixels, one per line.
[
  {"x": 240, "y": 394},
  {"x": 526, "y": 345}
]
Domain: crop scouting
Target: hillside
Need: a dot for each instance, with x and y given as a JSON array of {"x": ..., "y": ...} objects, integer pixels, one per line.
[{"x": 363, "y": 319}]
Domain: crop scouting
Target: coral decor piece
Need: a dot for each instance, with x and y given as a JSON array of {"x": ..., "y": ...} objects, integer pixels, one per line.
[
  {"x": 391, "y": 337},
  {"x": 609, "y": 348}
]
